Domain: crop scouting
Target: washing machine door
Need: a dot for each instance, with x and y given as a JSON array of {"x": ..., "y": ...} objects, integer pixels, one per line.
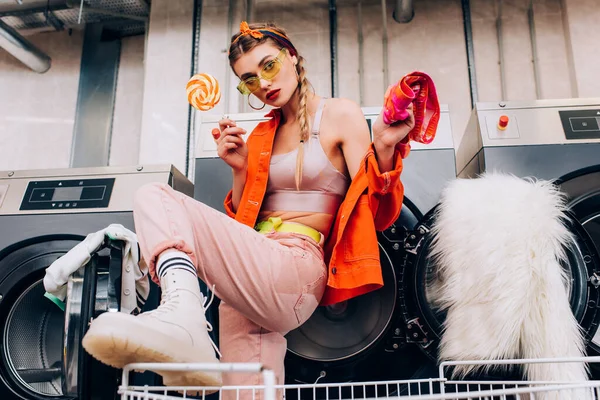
[
  {"x": 31, "y": 326},
  {"x": 583, "y": 191},
  {"x": 362, "y": 339},
  {"x": 92, "y": 290},
  {"x": 38, "y": 339},
  {"x": 423, "y": 322}
]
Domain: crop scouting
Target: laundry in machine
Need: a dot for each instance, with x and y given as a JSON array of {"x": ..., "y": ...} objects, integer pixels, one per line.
[
  {"x": 552, "y": 140},
  {"x": 364, "y": 338},
  {"x": 44, "y": 214}
]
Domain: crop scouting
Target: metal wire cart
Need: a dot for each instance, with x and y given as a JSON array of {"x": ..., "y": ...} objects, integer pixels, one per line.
[{"x": 438, "y": 388}]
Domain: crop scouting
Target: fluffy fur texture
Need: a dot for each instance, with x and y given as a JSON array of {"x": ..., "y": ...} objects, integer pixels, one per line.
[{"x": 498, "y": 245}]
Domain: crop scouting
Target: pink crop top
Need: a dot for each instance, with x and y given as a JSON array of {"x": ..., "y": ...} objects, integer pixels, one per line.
[{"x": 323, "y": 187}]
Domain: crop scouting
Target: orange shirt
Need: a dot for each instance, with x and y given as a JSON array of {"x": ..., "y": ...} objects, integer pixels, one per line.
[{"x": 373, "y": 202}]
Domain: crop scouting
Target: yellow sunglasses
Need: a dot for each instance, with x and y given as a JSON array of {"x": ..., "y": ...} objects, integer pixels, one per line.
[{"x": 268, "y": 72}]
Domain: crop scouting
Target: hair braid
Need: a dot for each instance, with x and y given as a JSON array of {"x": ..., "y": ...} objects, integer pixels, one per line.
[{"x": 303, "y": 118}]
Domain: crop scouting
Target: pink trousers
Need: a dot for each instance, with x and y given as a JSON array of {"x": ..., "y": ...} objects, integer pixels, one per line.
[{"x": 269, "y": 284}]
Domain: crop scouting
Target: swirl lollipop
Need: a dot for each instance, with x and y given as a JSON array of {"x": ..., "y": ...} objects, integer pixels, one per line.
[{"x": 203, "y": 91}]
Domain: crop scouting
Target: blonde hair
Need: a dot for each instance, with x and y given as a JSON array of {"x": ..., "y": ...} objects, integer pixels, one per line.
[{"x": 253, "y": 35}]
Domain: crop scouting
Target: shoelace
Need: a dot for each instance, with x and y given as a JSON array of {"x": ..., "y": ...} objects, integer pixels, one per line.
[
  {"x": 167, "y": 305},
  {"x": 209, "y": 326}
]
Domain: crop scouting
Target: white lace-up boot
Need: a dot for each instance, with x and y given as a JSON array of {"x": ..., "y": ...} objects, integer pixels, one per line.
[{"x": 177, "y": 331}]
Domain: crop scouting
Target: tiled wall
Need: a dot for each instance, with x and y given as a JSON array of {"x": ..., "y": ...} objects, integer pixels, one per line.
[
  {"x": 151, "y": 113},
  {"x": 583, "y": 18},
  {"x": 37, "y": 110},
  {"x": 432, "y": 42},
  {"x": 167, "y": 69},
  {"x": 127, "y": 118},
  {"x": 519, "y": 79}
]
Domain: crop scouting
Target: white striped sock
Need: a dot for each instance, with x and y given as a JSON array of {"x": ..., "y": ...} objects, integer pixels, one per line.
[{"x": 174, "y": 260}]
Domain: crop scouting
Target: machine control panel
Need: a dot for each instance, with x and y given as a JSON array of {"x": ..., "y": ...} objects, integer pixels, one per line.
[
  {"x": 581, "y": 124},
  {"x": 68, "y": 193}
]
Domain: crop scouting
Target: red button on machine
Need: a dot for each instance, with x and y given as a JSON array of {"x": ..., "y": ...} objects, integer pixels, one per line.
[{"x": 503, "y": 122}]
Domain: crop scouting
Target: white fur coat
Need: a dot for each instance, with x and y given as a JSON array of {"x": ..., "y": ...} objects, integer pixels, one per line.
[{"x": 498, "y": 243}]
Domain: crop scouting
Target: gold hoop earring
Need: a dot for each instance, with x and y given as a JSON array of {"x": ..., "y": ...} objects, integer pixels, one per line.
[{"x": 254, "y": 108}]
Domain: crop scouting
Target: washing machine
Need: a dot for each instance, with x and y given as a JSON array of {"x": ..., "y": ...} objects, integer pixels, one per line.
[
  {"x": 552, "y": 140},
  {"x": 549, "y": 139},
  {"x": 43, "y": 214},
  {"x": 365, "y": 338}
]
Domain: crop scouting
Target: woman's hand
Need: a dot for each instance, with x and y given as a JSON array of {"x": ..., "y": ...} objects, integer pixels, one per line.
[
  {"x": 385, "y": 137},
  {"x": 231, "y": 147}
]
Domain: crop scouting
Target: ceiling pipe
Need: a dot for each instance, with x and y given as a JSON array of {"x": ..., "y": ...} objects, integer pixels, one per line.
[
  {"x": 30, "y": 7},
  {"x": 23, "y": 50},
  {"x": 468, "y": 29},
  {"x": 384, "y": 45},
  {"x": 333, "y": 47},
  {"x": 81, "y": 7},
  {"x": 361, "y": 55},
  {"x": 404, "y": 11}
]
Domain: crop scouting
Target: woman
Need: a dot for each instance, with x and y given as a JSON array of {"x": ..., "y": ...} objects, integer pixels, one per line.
[{"x": 309, "y": 191}]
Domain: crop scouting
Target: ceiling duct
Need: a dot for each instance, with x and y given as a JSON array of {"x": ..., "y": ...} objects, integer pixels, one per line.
[
  {"x": 119, "y": 18},
  {"x": 25, "y": 6},
  {"x": 22, "y": 49},
  {"x": 404, "y": 11}
]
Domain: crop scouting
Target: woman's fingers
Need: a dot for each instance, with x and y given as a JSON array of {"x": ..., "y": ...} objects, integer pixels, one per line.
[
  {"x": 230, "y": 146},
  {"x": 231, "y": 141},
  {"x": 410, "y": 121},
  {"x": 226, "y": 122},
  {"x": 229, "y": 132},
  {"x": 235, "y": 130},
  {"x": 234, "y": 139}
]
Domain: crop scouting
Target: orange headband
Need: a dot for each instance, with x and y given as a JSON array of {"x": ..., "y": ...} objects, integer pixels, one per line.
[
  {"x": 245, "y": 30},
  {"x": 259, "y": 33}
]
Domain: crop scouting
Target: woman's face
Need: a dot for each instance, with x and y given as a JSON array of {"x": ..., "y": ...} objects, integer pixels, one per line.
[{"x": 278, "y": 90}]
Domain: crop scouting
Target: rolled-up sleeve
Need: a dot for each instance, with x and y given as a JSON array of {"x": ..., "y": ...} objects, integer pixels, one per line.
[
  {"x": 228, "y": 204},
  {"x": 386, "y": 191},
  {"x": 384, "y": 182}
]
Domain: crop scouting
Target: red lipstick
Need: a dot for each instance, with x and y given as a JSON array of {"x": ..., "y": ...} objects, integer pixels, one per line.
[{"x": 272, "y": 94}]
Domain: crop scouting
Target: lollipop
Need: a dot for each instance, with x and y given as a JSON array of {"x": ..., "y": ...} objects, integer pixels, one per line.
[{"x": 203, "y": 91}]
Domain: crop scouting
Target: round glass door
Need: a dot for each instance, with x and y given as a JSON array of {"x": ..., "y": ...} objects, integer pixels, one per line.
[
  {"x": 31, "y": 326},
  {"x": 32, "y": 341},
  {"x": 583, "y": 190}
]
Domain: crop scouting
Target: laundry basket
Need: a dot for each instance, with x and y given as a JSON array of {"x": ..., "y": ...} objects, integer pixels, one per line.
[{"x": 438, "y": 388}]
